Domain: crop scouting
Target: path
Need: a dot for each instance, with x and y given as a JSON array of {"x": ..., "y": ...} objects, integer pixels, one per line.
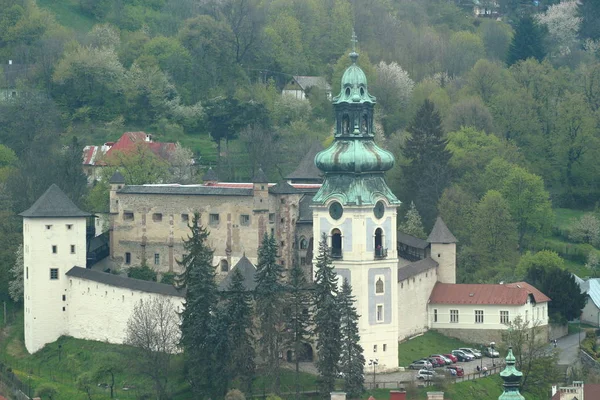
[{"x": 569, "y": 348}]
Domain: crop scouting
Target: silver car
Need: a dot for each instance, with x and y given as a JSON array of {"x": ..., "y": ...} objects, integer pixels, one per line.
[
  {"x": 471, "y": 351},
  {"x": 420, "y": 364}
]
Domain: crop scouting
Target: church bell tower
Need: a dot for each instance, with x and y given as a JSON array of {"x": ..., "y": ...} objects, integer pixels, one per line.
[{"x": 357, "y": 211}]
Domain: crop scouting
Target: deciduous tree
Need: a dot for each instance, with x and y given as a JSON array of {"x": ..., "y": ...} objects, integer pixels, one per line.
[
  {"x": 15, "y": 287},
  {"x": 589, "y": 12}
]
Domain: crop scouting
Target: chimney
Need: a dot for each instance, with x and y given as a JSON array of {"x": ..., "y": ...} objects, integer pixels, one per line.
[
  {"x": 397, "y": 395},
  {"x": 9, "y": 62},
  {"x": 435, "y": 395},
  {"x": 554, "y": 390},
  {"x": 338, "y": 395}
]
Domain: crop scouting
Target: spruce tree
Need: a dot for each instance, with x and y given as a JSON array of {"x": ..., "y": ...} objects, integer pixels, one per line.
[
  {"x": 589, "y": 12},
  {"x": 352, "y": 360},
  {"x": 238, "y": 309},
  {"x": 527, "y": 42},
  {"x": 413, "y": 225},
  {"x": 427, "y": 175},
  {"x": 269, "y": 306},
  {"x": 198, "y": 317},
  {"x": 298, "y": 321},
  {"x": 327, "y": 318}
]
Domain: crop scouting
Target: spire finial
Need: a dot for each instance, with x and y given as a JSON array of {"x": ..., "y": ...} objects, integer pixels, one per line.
[{"x": 354, "y": 54}]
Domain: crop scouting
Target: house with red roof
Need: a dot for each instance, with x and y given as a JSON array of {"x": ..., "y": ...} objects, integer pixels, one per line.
[
  {"x": 480, "y": 312},
  {"x": 578, "y": 390},
  {"x": 95, "y": 157}
]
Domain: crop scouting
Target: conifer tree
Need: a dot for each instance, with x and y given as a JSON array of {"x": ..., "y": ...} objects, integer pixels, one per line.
[
  {"x": 427, "y": 175},
  {"x": 298, "y": 320},
  {"x": 352, "y": 360},
  {"x": 269, "y": 306},
  {"x": 589, "y": 11},
  {"x": 413, "y": 225},
  {"x": 198, "y": 317},
  {"x": 238, "y": 309},
  {"x": 527, "y": 42},
  {"x": 327, "y": 318}
]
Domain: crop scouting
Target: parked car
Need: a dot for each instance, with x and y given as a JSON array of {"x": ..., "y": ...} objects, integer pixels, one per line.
[
  {"x": 462, "y": 356},
  {"x": 425, "y": 374},
  {"x": 455, "y": 370},
  {"x": 473, "y": 352},
  {"x": 420, "y": 364},
  {"x": 491, "y": 352},
  {"x": 436, "y": 362},
  {"x": 447, "y": 361},
  {"x": 451, "y": 357}
]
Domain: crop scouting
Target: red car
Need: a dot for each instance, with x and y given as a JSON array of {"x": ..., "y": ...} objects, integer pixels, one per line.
[
  {"x": 455, "y": 371},
  {"x": 452, "y": 357},
  {"x": 437, "y": 362}
]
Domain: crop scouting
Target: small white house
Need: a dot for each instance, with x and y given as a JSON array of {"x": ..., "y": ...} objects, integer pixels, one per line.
[
  {"x": 591, "y": 312},
  {"x": 299, "y": 86},
  {"x": 480, "y": 312}
]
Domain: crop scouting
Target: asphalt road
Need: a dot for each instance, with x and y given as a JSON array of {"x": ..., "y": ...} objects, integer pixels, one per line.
[{"x": 569, "y": 348}]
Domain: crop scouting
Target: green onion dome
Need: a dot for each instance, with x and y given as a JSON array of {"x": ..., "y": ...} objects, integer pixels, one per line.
[{"x": 354, "y": 156}]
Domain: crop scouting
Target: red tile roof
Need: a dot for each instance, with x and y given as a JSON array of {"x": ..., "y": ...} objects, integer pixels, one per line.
[
  {"x": 512, "y": 293},
  {"x": 92, "y": 155}
]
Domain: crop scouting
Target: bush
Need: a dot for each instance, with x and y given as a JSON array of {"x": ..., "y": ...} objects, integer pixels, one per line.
[
  {"x": 46, "y": 391},
  {"x": 586, "y": 230},
  {"x": 168, "y": 278},
  {"x": 235, "y": 394},
  {"x": 143, "y": 272}
]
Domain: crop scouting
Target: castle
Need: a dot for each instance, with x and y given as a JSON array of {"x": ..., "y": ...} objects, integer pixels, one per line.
[{"x": 403, "y": 285}]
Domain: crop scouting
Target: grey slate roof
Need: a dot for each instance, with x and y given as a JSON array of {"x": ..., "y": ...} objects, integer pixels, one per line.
[
  {"x": 283, "y": 188},
  {"x": 192, "y": 190},
  {"x": 306, "y": 82},
  {"x": 54, "y": 203},
  {"x": 416, "y": 268},
  {"x": 440, "y": 233},
  {"x": 248, "y": 272},
  {"x": 210, "y": 175},
  {"x": 411, "y": 241},
  {"x": 124, "y": 282},
  {"x": 117, "y": 178},
  {"x": 305, "y": 213},
  {"x": 260, "y": 177},
  {"x": 307, "y": 170}
]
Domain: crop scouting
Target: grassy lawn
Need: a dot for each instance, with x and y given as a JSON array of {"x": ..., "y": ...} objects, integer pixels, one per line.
[
  {"x": 565, "y": 217},
  {"x": 575, "y": 327},
  {"x": 68, "y": 14},
  {"x": 429, "y": 343}
]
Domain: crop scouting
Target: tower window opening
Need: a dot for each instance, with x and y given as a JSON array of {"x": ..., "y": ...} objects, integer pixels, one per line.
[
  {"x": 364, "y": 128},
  {"x": 69, "y": 226},
  {"x": 380, "y": 252},
  {"x": 336, "y": 243},
  {"x": 379, "y": 286},
  {"x": 224, "y": 265},
  {"x": 303, "y": 244},
  {"x": 54, "y": 249},
  {"x": 346, "y": 123}
]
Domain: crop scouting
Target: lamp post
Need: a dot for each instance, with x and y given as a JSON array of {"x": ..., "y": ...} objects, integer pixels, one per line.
[
  {"x": 492, "y": 346},
  {"x": 374, "y": 363},
  {"x": 482, "y": 353}
]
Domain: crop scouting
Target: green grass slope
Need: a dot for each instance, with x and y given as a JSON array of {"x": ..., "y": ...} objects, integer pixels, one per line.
[{"x": 68, "y": 14}]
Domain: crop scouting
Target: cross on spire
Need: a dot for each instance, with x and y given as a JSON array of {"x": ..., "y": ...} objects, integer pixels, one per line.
[{"x": 354, "y": 40}]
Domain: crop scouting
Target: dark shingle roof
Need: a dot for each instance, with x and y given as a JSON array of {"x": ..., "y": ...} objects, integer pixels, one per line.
[
  {"x": 210, "y": 176},
  {"x": 117, "y": 178},
  {"x": 283, "y": 188},
  {"x": 248, "y": 272},
  {"x": 440, "y": 233},
  {"x": 307, "y": 170},
  {"x": 260, "y": 177},
  {"x": 305, "y": 213},
  {"x": 192, "y": 190},
  {"x": 124, "y": 282},
  {"x": 411, "y": 241},
  {"x": 54, "y": 203},
  {"x": 416, "y": 268}
]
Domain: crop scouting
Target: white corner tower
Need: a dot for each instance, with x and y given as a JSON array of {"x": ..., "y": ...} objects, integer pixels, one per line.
[
  {"x": 54, "y": 240},
  {"x": 357, "y": 211},
  {"x": 443, "y": 250}
]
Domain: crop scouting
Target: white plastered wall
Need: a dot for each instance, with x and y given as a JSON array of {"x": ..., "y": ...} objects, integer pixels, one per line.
[{"x": 413, "y": 296}]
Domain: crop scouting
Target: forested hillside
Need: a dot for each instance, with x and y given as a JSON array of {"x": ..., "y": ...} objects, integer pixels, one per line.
[{"x": 494, "y": 121}]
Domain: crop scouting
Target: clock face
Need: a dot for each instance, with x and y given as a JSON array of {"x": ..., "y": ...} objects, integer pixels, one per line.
[
  {"x": 379, "y": 209},
  {"x": 336, "y": 210}
]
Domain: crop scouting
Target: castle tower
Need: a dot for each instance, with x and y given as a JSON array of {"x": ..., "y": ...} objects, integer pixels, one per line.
[
  {"x": 511, "y": 377},
  {"x": 357, "y": 211},
  {"x": 443, "y": 250},
  {"x": 54, "y": 240},
  {"x": 116, "y": 182}
]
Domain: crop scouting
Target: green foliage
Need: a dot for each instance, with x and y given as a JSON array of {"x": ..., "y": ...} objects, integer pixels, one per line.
[
  {"x": 496, "y": 37},
  {"x": 168, "y": 278},
  {"x": 412, "y": 224},
  {"x": 235, "y": 394},
  {"x": 352, "y": 360},
  {"x": 47, "y": 391},
  {"x": 143, "y": 272},
  {"x": 465, "y": 48},
  {"x": 527, "y": 42},
  {"x": 589, "y": 11}
]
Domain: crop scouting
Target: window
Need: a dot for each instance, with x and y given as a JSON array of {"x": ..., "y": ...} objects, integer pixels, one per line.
[
  {"x": 64, "y": 297},
  {"x": 157, "y": 217},
  {"x": 282, "y": 244},
  {"x": 282, "y": 201},
  {"x": 454, "y": 316},
  {"x": 53, "y": 273},
  {"x": 127, "y": 216},
  {"x": 374, "y": 348},
  {"x": 69, "y": 227},
  {"x": 213, "y": 219},
  {"x": 538, "y": 313},
  {"x": 72, "y": 249},
  {"x": 303, "y": 243},
  {"x": 272, "y": 231},
  {"x": 504, "y": 317},
  {"x": 64, "y": 309},
  {"x": 435, "y": 315},
  {"x": 54, "y": 249},
  {"x": 127, "y": 258},
  {"x": 27, "y": 273},
  {"x": 479, "y": 316},
  {"x": 379, "y": 286},
  {"x": 336, "y": 243},
  {"x": 244, "y": 220},
  {"x": 224, "y": 266},
  {"x": 302, "y": 260},
  {"x": 185, "y": 218},
  {"x": 379, "y": 312},
  {"x": 156, "y": 259},
  {"x": 384, "y": 347},
  {"x": 48, "y": 227},
  {"x": 526, "y": 315},
  {"x": 271, "y": 218}
]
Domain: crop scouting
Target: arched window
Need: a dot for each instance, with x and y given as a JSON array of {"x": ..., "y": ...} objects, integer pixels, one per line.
[
  {"x": 336, "y": 243},
  {"x": 303, "y": 243},
  {"x": 224, "y": 265},
  {"x": 345, "y": 124},
  {"x": 379, "y": 250},
  {"x": 364, "y": 128},
  {"x": 379, "y": 286}
]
